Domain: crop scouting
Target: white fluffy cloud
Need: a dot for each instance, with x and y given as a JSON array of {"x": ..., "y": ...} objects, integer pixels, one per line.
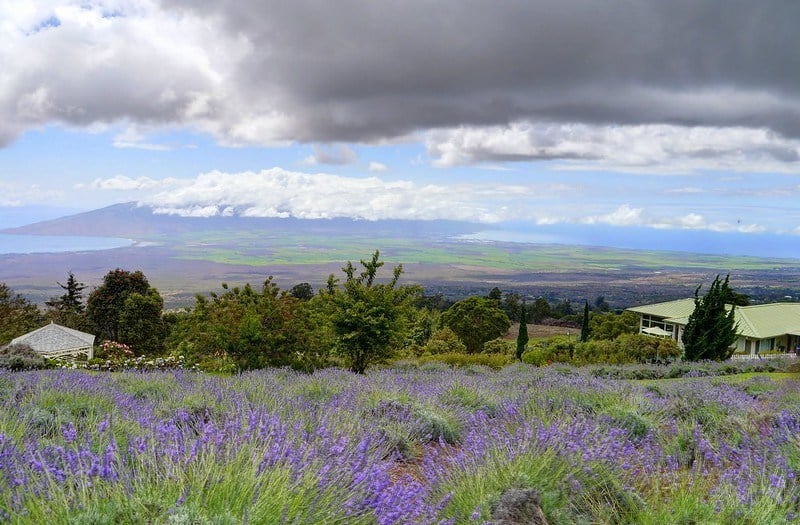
[
  {"x": 377, "y": 167},
  {"x": 338, "y": 155},
  {"x": 626, "y": 215},
  {"x": 124, "y": 183},
  {"x": 655, "y": 148},
  {"x": 280, "y": 193}
]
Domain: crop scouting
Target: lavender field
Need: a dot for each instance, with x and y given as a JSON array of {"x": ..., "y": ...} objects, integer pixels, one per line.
[{"x": 417, "y": 446}]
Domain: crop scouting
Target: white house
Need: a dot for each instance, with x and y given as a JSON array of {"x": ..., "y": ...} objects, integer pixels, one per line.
[
  {"x": 54, "y": 340},
  {"x": 760, "y": 328}
]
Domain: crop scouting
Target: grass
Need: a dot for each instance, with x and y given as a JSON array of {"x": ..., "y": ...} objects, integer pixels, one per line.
[{"x": 257, "y": 248}]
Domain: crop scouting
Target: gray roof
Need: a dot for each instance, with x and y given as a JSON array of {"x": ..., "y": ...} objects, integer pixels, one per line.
[{"x": 54, "y": 338}]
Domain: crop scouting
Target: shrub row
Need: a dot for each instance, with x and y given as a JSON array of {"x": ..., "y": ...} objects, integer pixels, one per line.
[{"x": 627, "y": 348}]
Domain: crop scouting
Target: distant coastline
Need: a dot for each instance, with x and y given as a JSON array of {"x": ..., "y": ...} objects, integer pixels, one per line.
[{"x": 23, "y": 244}]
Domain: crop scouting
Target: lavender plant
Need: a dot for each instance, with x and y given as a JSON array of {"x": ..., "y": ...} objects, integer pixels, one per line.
[{"x": 395, "y": 446}]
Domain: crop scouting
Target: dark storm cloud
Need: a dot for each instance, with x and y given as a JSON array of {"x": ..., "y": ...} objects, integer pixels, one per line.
[
  {"x": 267, "y": 72},
  {"x": 363, "y": 70}
]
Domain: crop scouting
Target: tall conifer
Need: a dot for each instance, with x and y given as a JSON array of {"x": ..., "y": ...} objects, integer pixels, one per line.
[{"x": 711, "y": 329}]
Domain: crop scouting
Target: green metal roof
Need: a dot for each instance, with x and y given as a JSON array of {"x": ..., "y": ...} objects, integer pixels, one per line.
[
  {"x": 669, "y": 309},
  {"x": 763, "y": 321},
  {"x": 760, "y": 321}
]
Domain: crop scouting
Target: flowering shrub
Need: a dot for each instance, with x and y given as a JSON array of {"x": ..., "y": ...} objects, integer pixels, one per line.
[
  {"x": 114, "y": 351},
  {"x": 140, "y": 363}
]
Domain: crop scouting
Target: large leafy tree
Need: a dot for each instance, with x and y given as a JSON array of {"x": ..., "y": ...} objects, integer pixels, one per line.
[
  {"x": 368, "y": 317},
  {"x": 476, "y": 320},
  {"x": 711, "y": 329},
  {"x": 18, "y": 316},
  {"x": 116, "y": 318},
  {"x": 141, "y": 323},
  {"x": 69, "y": 310}
]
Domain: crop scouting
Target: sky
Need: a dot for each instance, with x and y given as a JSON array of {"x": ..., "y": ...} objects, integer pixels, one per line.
[{"x": 640, "y": 114}]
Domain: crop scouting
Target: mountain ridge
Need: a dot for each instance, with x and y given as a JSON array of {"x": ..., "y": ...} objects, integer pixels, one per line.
[{"x": 132, "y": 220}]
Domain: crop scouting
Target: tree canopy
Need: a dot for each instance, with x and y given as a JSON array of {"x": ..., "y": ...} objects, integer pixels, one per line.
[
  {"x": 711, "y": 329},
  {"x": 18, "y": 316},
  {"x": 125, "y": 308},
  {"x": 367, "y": 316},
  {"x": 476, "y": 320},
  {"x": 69, "y": 310}
]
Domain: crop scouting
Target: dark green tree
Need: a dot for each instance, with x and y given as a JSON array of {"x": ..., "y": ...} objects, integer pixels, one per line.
[
  {"x": 141, "y": 324},
  {"x": 69, "y": 310},
  {"x": 522, "y": 335},
  {"x": 368, "y": 318},
  {"x": 540, "y": 310},
  {"x": 495, "y": 294},
  {"x": 563, "y": 309},
  {"x": 601, "y": 305},
  {"x": 476, "y": 320},
  {"x": 711, "y": 329},
  {"x": 607, "y": 326},
  {"x": 510, "y": 305},
  {"x": 18, "y": 316},
  {"x": 106, "y": 303},
  {"x": 585, "y": 331},
  {"x": 302, "y": 291}
]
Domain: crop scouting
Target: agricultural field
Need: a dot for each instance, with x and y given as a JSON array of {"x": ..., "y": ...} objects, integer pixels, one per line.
[{"x": 406, "y": 445}]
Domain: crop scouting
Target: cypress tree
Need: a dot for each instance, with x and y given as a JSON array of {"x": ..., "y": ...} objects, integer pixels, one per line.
[
  {"x": 585, "y": 324},
  {"x": 711, "y": 329},
  {"x": 522, "y": 336}
]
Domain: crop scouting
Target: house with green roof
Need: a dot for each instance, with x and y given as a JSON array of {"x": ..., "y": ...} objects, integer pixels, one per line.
[{"x": 760, "y": 328}]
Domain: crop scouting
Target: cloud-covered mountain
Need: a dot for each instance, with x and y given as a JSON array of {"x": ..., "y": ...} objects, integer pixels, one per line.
[{"x": 131, "y": 220}]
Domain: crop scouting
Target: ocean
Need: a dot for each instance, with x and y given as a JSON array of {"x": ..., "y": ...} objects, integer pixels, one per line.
[{"x": 57, "y": 244}]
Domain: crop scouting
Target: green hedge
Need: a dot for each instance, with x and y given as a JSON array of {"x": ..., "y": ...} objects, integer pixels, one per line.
[{"x": 627, "y": 348}]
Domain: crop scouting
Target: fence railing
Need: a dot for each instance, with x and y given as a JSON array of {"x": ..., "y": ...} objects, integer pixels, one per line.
[{"x": 744, "y": 357}]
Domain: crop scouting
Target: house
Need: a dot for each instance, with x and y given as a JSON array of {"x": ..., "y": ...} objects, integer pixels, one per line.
[
  {"x": 760, "y": 328},
  {"x": 54, "y": 340}
]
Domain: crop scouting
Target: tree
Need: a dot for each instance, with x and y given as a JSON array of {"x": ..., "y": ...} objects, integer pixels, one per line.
[
  {"x": 540, "y": 310},
  {"x": 601, "y": 305},
  {"x": 476, "y": 320},
  {"x": 302, "y": 291},
  {"x": 107, "y": 303},
  {"x": 368, "y": 317},
  {"x": 69, "y": 310},
  {"x": 140, "y": 322},
  {"x": 585, "y": 331},
  {"x": 251, "y": 328},
  {"x": 18, "y": 316},
  {"x": 522, "y": 335},
  {"x": 510, "y": 305},
  {"x": 495, "y": 294},
  {"x": 563, "y": 309},
  {"x": 711, "y": 329},
  {"x": 610, "y": 325}
]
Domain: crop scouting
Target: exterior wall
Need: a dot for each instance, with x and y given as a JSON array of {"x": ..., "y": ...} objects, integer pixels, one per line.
[{"x": 648, "y": 321}]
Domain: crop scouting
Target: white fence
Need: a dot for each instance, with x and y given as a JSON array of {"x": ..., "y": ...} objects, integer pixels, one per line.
[{"x": 744, "y": 357}]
